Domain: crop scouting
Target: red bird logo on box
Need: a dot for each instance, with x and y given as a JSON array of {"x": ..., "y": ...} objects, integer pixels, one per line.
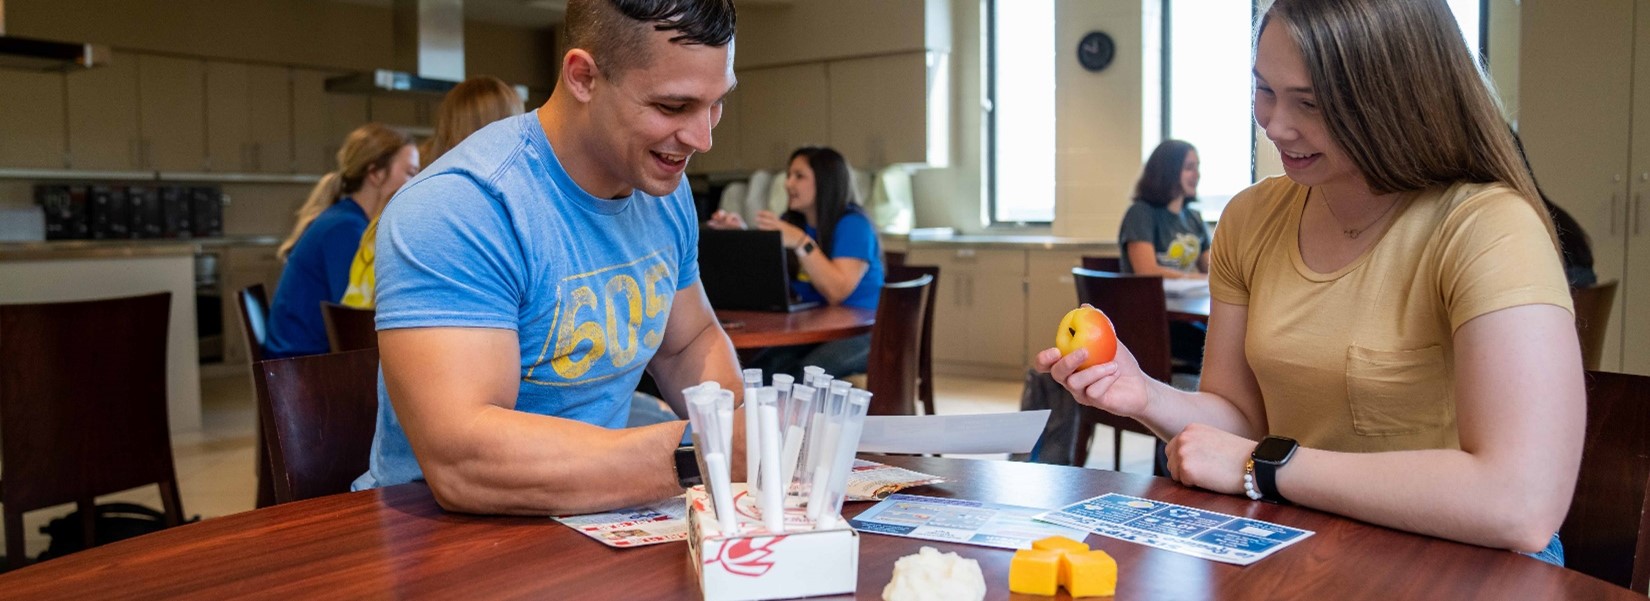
[{"x": 745, "y": 556}]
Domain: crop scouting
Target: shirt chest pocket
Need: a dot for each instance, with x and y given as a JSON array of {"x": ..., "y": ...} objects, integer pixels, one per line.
[{"x": 1401, "y": 392}]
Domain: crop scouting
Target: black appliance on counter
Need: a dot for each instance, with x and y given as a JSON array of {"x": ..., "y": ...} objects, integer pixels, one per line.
[{"x": 113, "y": 212}]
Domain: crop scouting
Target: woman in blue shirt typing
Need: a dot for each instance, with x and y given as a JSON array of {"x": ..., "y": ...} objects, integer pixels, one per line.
[
  {"x": 837, "y": 249},
  {"x": 372, "y": 164}
]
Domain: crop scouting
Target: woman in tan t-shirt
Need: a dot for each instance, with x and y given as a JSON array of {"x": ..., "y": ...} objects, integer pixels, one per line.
[{"x": 1396, "y": 304}]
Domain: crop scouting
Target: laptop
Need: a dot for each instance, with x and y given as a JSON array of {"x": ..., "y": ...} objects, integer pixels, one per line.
[{"x": 747, "y": 270}]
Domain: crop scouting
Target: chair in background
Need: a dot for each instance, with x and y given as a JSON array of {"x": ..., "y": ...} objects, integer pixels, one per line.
[
  {"x": 1135, "y": 305},
  {"x": 320, "y": 413},
  {"x": 1111, "y": 264},
  {"x": 254, "y": 306},
  {"x": 1592, "y": 305},
  {"x": 925, "y": 356},
  {"x": 896, "y": 342},
  {"x": 892, "y": 259},
  {"x": 349, "y": 328},
  {"x": 83, "y": 408},
  {"x": 1605, "y": 532}
]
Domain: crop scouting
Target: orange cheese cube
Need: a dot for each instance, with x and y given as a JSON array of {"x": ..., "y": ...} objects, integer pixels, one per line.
[
  {"x": 1035, "y": 572},
  {"x": 1088, "y": 574},
  {"x": 1060, "y": 543}
]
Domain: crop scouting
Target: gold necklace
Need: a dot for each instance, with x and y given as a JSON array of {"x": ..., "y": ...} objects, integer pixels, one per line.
[{"x": 1353, "y": 232}]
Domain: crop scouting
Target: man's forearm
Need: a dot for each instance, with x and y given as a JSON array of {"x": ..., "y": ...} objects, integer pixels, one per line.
[{"x": 510, "y": 462}]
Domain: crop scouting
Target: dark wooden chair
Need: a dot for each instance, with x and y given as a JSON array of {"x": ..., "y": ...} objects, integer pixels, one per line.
[
  {"x": 254, "y": 305},
  {"x": 896, "y": 345},
  {"x": 1135, "y": 305},
  {"x": 83, "y": 408},
  {"x": 1605, "y": 532},
  {"x": 925, "y": 356},
  {"x": 321, "y": 411},
  {"x": 1111, "y": 264},
  {"x": 349, "y": 328},
  {"x": 1593, "y": 306}
]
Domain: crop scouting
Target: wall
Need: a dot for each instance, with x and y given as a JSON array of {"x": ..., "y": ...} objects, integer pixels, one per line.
[
  {"x": 1105, "y": 122},
  {"x": 313, "y": 33},
  {"x": 815, "y": 30}
]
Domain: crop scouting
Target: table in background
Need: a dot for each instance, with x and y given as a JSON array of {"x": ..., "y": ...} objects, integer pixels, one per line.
[
  {"x": 396, "y": 542},
  {"x": 1188, "y": 308},
  {"x": 760, "y": 329}
]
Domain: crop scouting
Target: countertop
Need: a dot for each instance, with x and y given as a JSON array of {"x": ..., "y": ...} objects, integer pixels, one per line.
[
  {"x": 115, "y": 249},
  {"x": 1013, "y": 241}
]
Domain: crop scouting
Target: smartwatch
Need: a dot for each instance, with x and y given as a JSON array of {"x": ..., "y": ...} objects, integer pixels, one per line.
[
  {"x": 687, "y": 467},
  {"x": 807, "y": 248},
  {"x": 1271, "y": 455}
]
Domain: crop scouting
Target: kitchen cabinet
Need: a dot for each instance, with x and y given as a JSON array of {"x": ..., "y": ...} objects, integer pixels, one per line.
[
  {"x": 781, "y": 109},
  {"x": 321, "y": 120},
  {"x": 880, "y": 109},
  {"x": 396, "y": 110},
  {"x": 103, "y": 116},
  {"x": 1596, "y": 162},
  {"x": 1050, "y": 293},
  {"x": 980, "y": 308},
  {"x": 35, "y": 138},
  {"x": 248, "y": 118},
  {"x": 172, "y": 107}
]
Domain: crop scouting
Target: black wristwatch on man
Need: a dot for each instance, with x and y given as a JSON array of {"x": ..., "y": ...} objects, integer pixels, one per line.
[
  {"x": 1270, "y": 456},
  {"x": 687, "y": 467}
]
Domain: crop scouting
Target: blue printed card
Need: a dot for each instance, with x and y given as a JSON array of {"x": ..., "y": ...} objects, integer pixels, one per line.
[{"x": 1177, "y": 528}]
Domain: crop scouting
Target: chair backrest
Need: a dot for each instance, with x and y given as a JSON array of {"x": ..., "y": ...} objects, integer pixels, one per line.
[
  {"x": 892, "y": 259},
  {"x": 925, "y": 354},
  {"x": 1111, "y": 264},
  {"x": 1603, "y": 530},
  {"x": 83, "y": 399},
  {"x": 896, "y": 341},
  {"x": 349, "y": 328},
  {"x": 1592, "y": 306},
  {"x": 254, "y": 304},
  {"x": 321, "y": 413},
  {"x": 1136, "y": 307}
]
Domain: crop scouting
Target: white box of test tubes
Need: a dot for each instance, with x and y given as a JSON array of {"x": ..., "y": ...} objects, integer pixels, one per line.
[{"x": 755, "y": 564}]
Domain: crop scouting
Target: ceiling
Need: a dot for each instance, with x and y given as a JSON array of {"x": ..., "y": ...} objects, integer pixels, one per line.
[{"x": 529, "y": 13}]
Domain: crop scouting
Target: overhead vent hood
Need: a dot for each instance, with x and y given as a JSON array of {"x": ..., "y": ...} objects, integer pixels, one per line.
[
  {"x": 43, "y": 55},
  {"x": 429, "y": 53}
]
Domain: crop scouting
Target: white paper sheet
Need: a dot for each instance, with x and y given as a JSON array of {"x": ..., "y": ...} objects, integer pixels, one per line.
[
  {"x": 1185, "y": 288},
  {"x": 1013, "y": 432}
]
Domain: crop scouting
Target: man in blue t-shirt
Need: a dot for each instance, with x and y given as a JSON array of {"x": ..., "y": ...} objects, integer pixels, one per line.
[{"x": 528, "y": 277}]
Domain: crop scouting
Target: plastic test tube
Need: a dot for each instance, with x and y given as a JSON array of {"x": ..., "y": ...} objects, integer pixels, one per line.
[
  {"x": 812, "y": 373},
  {"x": 853, "y": 424},
  {"x": 822, "y": 454},
  {"x": 796, "y": 427},
  {"x": 753, "y": 381},
  {"x": 782, "y": 385},
  {"x": 772, "y": 496},
  {"x": 834, "y": 405}
]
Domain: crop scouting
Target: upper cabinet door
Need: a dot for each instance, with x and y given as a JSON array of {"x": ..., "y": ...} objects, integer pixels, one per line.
[
  {"x": 781, "y": 109},
  {"x": 228, "y": 126},
  {"x": 33, "y": 131},
  {"x": 103, "y": 116},
  {"x": 879, "y": 109},
  {"x": 321, "y": 120},
  {"x": 172, "y": 106},
  {"x": 270, "y": 95}
]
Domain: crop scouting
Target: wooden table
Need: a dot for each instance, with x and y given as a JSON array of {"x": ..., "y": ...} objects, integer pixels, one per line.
[
  {"x": 1188, "y": 308},
  {"x": 760, "y": 329},
  {"x": 396, "y": 542}
]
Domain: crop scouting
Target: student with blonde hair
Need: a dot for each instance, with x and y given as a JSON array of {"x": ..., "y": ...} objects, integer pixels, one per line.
[
  {"x": 469, "y": 106},
  {"x": 372, "y": 164},
  {"x": 1390, "y": 336}
]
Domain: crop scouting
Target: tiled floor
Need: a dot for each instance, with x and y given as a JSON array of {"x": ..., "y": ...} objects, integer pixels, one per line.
[{"x": 215, "y": 466}]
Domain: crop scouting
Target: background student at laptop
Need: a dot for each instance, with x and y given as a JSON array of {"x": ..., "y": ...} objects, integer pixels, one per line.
[{"x": 837, "y": 248}]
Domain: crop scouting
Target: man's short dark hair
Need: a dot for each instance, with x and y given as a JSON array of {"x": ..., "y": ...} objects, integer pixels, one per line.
[{"x": 615, "y": 32}]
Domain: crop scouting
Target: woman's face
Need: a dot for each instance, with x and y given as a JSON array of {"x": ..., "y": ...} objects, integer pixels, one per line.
[
  {"x": 1189, "y": 174},
  {"x": 1287, "y": 108},
  {"x": 799, "y": 185},
  {"x": 401, "y": 168}
]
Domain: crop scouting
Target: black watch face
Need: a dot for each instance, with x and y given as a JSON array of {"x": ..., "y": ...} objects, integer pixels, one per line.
[
  {"x": 687, "y": 467},
  {"x": 1274, "y": 449}
]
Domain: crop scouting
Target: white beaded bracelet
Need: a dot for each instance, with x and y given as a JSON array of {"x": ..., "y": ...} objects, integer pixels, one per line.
[{"x": 1249, "y": 489}]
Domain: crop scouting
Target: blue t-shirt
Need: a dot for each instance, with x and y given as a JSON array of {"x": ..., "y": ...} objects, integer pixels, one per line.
[
  {"x": 854, "y": 237},
  {"x": 316, "y": 270},
  {"x": 495, "y": 234}
]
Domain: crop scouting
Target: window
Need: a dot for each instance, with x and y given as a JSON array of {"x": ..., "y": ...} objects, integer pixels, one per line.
[
  {"x": 1208, "y": 95},
  {"x": 1020, "y": 121}
]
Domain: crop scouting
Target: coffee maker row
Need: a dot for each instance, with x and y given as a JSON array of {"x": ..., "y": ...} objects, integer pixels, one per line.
[{"x": 112, "y": 212}]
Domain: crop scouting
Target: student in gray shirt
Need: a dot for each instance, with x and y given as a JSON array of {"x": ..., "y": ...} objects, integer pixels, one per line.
[{"x": 1162, "y": 236}]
